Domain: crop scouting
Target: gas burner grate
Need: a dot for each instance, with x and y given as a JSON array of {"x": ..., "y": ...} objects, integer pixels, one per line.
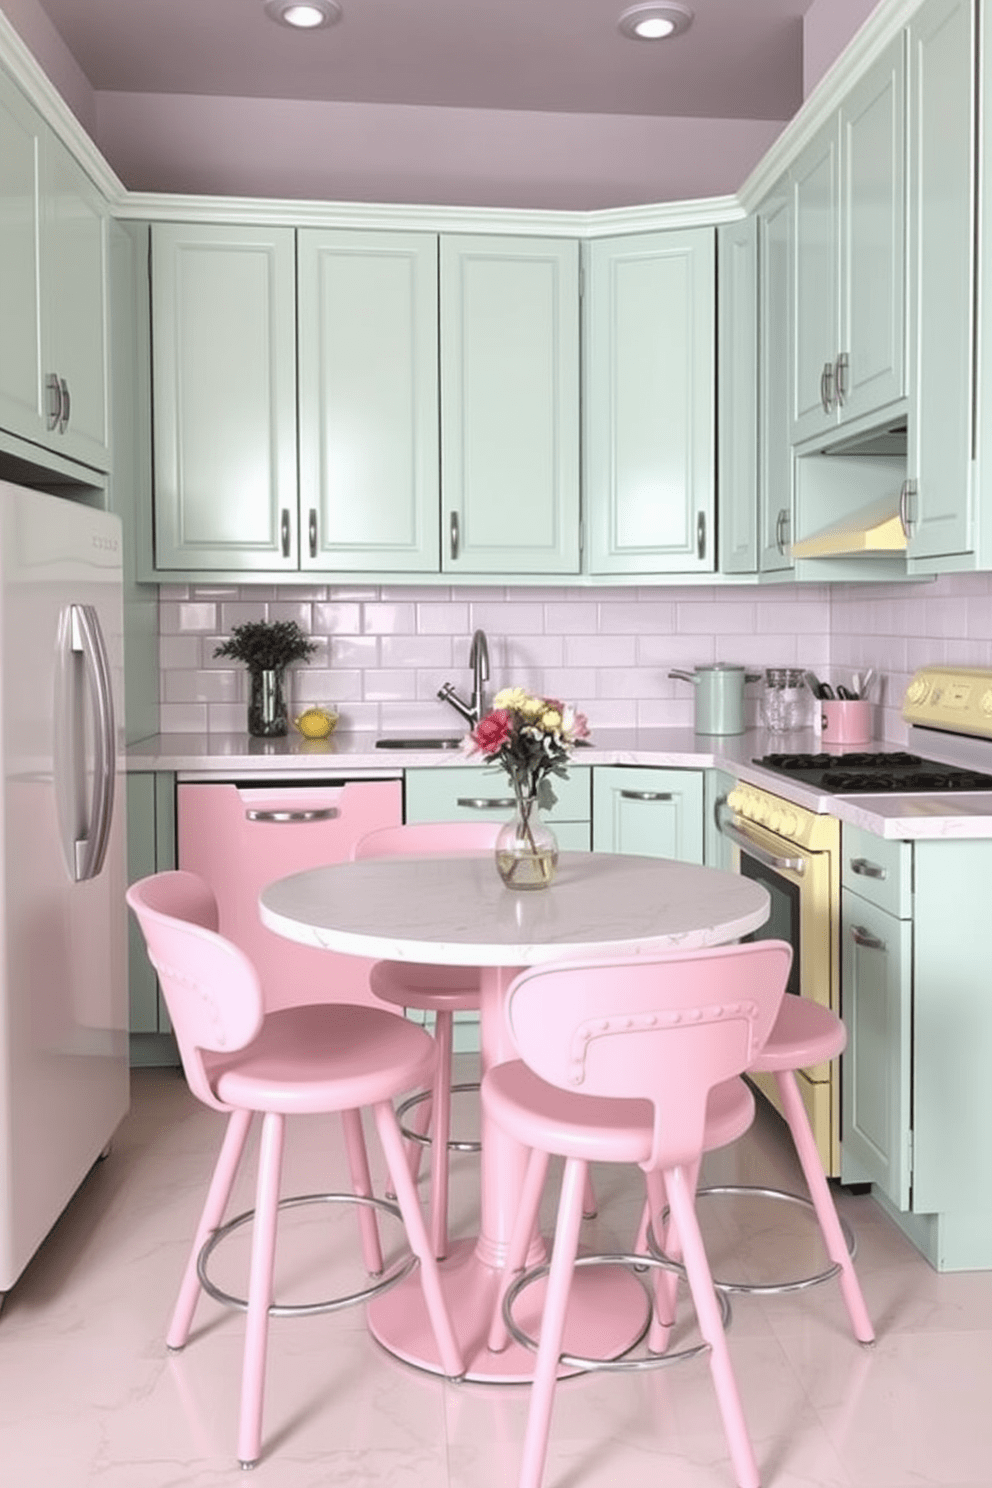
[{"x": 875, "y": 773}]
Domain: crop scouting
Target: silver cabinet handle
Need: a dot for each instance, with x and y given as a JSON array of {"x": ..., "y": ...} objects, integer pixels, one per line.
[
  {"x": 701, "y": 535},
  {"x": 319, "y": 814},
  {"x": 868, "y": 869},
  {"x": 284, "y": 531},
  {"x": 312, "y": 527},
  {"x": 454, "y": 534},
  {"x": 781, "y": 525},
  {"x": 487, "y": 803},
  {"x": 632, "y": 795},
  {"x": 827, "y": 387},
  {"x": 863, "y": 937},
  {"x": 841, "y": 369},
  {"x": 66, "y": 405},
  {"x": 727, "y": 827},
  {"x": 53, "y": 394},
  {"x": 906, "y": 491}
]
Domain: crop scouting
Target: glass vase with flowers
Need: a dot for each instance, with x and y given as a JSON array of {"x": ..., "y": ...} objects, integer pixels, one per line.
[
  {"x": 267, "y": 648},
  {"x": 531, "y": 737}
]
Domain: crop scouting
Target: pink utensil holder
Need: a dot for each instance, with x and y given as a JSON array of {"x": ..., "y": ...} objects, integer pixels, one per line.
[{"x": 845, "y": 722}]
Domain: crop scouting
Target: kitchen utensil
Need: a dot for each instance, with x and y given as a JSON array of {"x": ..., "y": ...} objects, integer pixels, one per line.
[
  {"x": 783, "y": 699},
  {"x": 866, "y": 682},
  {"x": 845, "y": 694},
  {"x": 719, "y": 696},
  {"x": 826, "y": 691},
  {"x": 813, "y": 683}
]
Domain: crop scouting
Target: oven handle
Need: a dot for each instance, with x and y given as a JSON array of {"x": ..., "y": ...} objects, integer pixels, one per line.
[{"x": 727, "y": 827}]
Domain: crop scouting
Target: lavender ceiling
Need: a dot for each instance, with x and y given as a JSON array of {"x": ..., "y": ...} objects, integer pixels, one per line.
[{"x": 739, "y": 59}]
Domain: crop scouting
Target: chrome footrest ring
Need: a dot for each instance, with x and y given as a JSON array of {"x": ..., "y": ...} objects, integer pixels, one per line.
[
  {"x": 402, "y": 1268},
  {"x": 425, "y": 1141},
  {"x": 757, "y": 1288},
  {"x": 637, "y": 1264}
]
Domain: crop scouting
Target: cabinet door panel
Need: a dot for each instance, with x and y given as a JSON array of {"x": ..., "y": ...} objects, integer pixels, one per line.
[
  {"x": 510, "y": 404},
  {"x": 815, "y": 280},
  {"x": 873, "y": 331},
  {"x": 224, "y": 349},
  {"x": 877, "y": 1009},
  {"x": 649, "y": 407},
  {"x": 737, "y": 385},
  {"x": 21, "y": 409},
  {"x": 74, "y": 306},
  {"x": 942, "y": 273},
  {"x": 369, "y": 462},
  {"x": 775, "y": 484},
  {"x": 655, "y": 813}
]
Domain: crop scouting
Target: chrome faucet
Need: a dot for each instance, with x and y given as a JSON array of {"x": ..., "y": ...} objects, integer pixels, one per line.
[{"x": 478, "y": 660}]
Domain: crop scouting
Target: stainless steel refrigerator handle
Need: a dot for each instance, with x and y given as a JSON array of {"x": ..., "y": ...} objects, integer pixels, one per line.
[
  {"x": 87, "y": 638},
  {"x": 727, "y": 827},
  {"x": 320, "y": 814}
]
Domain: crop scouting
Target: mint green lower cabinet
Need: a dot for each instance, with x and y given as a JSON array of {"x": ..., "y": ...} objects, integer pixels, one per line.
[
  {"x": 877, "y": 1008},
  {"x": 654, "y": 812},
  {"x": 151, "y": 848}
]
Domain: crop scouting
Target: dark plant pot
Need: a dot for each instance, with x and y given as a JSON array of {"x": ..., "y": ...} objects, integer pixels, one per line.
[{"x": 267, "y": 704}]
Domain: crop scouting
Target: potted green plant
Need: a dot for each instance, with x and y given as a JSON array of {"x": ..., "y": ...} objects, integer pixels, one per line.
[{"x": 267, "y": 648}]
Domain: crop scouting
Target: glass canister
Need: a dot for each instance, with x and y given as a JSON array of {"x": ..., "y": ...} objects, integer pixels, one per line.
[{"x": 784, "y": 699}]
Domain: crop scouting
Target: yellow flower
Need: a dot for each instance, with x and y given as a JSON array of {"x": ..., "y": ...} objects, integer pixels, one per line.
[
  {"x": 511, "y": 697},
  {"x": 550, "y": 720},
  {"x": 531, "y": 708}
]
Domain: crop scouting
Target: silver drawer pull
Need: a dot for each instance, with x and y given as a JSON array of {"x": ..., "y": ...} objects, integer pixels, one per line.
[
  {"x": 323, "y": 813},
  {"x": 487, "y": 803},
  {"x": 863, "y": 937},
  {"x": 868, "y": 869},
  {"x": 630, "y": 795}
]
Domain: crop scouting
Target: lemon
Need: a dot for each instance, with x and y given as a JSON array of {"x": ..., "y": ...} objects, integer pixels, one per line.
[{"x": 316, "y": 723}]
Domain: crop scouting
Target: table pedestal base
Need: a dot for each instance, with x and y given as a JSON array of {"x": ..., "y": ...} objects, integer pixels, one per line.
[{"x": 606, "y": 1312}]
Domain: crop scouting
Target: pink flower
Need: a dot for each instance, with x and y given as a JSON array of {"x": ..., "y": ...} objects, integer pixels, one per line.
[{"x": 492, "y": 732}]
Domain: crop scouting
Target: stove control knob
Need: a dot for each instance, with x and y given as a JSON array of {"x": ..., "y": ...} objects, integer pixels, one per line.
[
  {"x": 917, "y": 690},
  {"x": 789, "y": 824},
  {"x": 735, "y": 799},
  {"x": 775, "y": 820},
  {"x": 986, "y": 702}
]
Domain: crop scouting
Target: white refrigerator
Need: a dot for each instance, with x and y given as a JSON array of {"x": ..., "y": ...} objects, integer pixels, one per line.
[{"x": 63, "y": 981}]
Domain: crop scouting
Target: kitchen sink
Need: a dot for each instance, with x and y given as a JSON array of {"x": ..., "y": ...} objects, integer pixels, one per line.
[{"x": 432, "y": 742}]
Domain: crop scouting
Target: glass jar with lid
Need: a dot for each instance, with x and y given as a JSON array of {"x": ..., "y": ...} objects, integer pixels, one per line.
[{"x": 784, "y": 699}]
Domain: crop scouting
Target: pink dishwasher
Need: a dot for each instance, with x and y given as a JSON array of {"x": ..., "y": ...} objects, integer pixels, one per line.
[{"x": 241, "y": 837}]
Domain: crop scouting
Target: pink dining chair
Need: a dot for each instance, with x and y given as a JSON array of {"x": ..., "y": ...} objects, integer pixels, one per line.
[
  {"x": 441, "y": 990},
  {"x": 328, "y": 1057},
  {"x": 629, "y": 1061}
]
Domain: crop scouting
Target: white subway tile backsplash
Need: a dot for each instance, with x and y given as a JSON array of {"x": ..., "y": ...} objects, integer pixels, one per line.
[{"x": 384, "y": 650}]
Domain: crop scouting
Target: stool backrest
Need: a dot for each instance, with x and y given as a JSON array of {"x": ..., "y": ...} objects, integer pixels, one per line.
[
  {"x": 210, "y": 987},
  {"x": 664, "y": 1030},
  {"x": 446, "y": 839}
]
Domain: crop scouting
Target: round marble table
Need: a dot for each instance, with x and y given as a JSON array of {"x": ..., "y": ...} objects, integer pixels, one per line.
[{"x": 456, "y": 911}]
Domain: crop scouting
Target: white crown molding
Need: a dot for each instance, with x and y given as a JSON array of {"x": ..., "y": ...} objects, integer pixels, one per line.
[
  {"x": 20, "y": 63},
  {"x": 881, "y": 27}
]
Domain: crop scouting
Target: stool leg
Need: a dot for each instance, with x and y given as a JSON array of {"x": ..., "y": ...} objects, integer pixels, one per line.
[
  {"x": 214, "y": 1206},
  {"x": 589, "y": 1206},
  {"x": 361, "y": 1184},
  {"x": 680, "y": 1197},
  {"x": 826, "y": 1213},
  {"x": 553, "y": 1323},
  {"x": 406, "y": 1196},
  {"x": 665, "y": 1282},
  {"x": 444, "y": 1039},
  {"x": 520, "y": 1236},
  {"x": 263, "y": 1251}
]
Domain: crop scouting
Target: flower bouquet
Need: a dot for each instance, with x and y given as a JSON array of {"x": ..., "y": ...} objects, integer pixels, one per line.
[{"x": 531, "y": 738}]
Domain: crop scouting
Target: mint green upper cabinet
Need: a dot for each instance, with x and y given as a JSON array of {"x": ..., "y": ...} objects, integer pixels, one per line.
[
  {"x": 368, "y": 343},
  {"x": 509, "y": 405},
  {"x": 775, "y": 458},
  {"x": 737, "y": 393},
  {"x": 941, "y": 246},
  {"x": 650, "y": 402},
  {"x": 53, "y": 291},
  {"x": 656, "y": 813},
  {"x": 849, "y": 268},
  {"x": 224, "y": 380}
]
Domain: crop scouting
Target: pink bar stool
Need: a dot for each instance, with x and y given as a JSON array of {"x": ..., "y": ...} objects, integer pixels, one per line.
[
  {"x": 805, "y": 1034},
  {"x": 329, "y": 1057},
  {"x": 629, "y": 1061},
  {"x": 441, "y": 990}
]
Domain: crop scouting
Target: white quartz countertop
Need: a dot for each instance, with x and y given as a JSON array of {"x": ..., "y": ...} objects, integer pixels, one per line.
[{"x": 354, "y": 755}]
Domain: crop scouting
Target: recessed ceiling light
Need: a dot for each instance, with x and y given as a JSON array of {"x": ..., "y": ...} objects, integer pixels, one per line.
[
  {"x": 305, "y": 15},
  {"x": 654, "y": 22}
]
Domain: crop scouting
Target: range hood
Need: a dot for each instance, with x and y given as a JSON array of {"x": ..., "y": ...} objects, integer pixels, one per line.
[{"x": 876, "y": 528}]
